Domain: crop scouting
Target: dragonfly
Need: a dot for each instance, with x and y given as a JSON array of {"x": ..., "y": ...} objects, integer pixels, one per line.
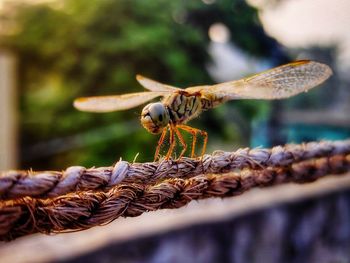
[{"x": 179, "y": 106}]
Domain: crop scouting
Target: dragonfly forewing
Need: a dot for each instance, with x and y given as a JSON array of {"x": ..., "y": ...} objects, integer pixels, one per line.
[
  {"x": 153, "y": 85},
  {"x": 278, "y": 83},
  {"x": 117, "y": 102}
]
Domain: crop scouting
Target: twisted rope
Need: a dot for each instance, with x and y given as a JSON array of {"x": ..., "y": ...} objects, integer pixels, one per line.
[
  {"x": 16, "y": 184},
  {"x": 82, "y": 210}
]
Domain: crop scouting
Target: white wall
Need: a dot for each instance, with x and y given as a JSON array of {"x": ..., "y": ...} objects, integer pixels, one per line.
[{"x": 8, "y": 111}]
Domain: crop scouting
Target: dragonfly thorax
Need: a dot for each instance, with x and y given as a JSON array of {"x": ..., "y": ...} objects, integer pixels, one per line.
[{"x": 154, "y": 117}]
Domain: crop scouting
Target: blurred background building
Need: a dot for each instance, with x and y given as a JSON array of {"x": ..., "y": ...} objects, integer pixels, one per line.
[{"x": 54, "y": 51}]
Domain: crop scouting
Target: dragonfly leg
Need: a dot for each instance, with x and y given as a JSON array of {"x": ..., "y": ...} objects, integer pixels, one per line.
[
  {"x": 205, "y": 141},
  {"x": 172, "y": 142},
  {"x": 182, "y": 141},
  {"x": 194, "y": 132},
  {"x": 160, "y": 143},
  {"x": 194, "y": 137}
]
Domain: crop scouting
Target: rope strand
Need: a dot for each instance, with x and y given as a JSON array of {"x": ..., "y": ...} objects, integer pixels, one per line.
[
  {"x": 16, "y": 184},
  {"x": 82, "y": 210}
]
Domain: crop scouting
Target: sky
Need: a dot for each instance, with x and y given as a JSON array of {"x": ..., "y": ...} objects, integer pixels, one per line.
[
  {"x": 302, "y": 23},
  {"x": 295, "y": 24}
]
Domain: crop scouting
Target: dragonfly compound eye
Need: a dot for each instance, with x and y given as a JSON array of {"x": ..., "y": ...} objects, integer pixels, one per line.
[{"x": 155, "y": 117}]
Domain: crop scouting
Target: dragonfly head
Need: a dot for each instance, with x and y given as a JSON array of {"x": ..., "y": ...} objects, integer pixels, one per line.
[{"x": 154, "y": 117}]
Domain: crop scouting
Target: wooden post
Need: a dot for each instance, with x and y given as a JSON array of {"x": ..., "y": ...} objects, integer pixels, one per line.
[{"x": 8, "y": 111}]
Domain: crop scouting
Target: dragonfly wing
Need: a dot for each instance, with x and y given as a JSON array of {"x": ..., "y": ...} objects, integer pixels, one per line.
[
  {"x": 115, "y": 103},
  {"x": 154, "y": 85},
  {"x": 277, "y": 83}
]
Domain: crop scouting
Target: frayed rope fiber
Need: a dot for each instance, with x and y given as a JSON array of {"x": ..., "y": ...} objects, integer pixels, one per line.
[
  {"x": 47, "y": 184},
  {"x": 86, "y": 209}
]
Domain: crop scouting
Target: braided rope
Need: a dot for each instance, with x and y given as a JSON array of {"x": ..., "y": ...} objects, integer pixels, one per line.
[
  {"x": 16, "y": 184},
  {"x": 82, "y": 210}
]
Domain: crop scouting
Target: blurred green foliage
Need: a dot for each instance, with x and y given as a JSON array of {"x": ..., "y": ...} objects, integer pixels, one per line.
[{"x": 96, "y": 47}]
